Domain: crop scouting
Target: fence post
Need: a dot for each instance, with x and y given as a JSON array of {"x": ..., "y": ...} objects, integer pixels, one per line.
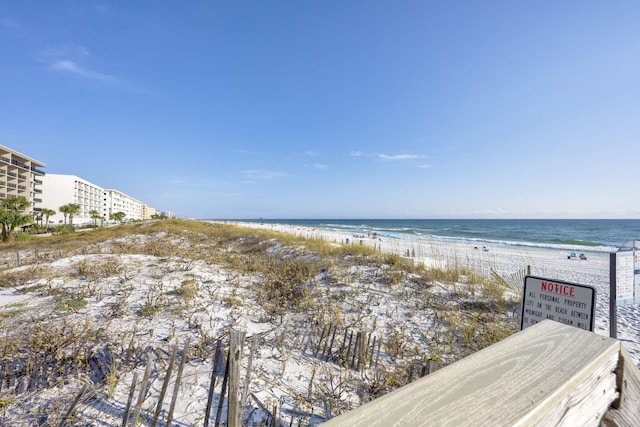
[
  {"x": 236, "y": 342},
  {"x": 361, "y": 351},
  {"x": 247, "y": 378},
  {"x": 356, "y": 349}
]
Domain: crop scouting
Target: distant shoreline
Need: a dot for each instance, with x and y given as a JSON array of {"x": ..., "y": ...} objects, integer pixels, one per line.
[{"x": 581, "y": 235}]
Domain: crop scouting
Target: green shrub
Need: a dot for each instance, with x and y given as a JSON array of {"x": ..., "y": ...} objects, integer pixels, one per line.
[{"x": 72, "y": 304}]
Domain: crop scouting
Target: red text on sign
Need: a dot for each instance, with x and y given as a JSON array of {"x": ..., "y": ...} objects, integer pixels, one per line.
[{"x": 557, "y": 288}]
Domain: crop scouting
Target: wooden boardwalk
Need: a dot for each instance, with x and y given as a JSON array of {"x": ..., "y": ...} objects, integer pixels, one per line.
[{"x": 547, "y": 375}]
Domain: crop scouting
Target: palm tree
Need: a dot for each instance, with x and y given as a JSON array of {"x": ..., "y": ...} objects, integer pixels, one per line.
[
  {"x": 64, "y": 209},
  {"x": 95, "y": 216},
  {"x": 15, "y": 203},
  {"x": 46, "y": 213},
  {"x": 10, "y": 219},
  {"x": 117, "y": 216},
  {"x": 73, "y": 208}
]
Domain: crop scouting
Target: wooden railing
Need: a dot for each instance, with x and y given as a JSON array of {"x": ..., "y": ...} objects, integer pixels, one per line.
[{"x": 549, "y": 374}]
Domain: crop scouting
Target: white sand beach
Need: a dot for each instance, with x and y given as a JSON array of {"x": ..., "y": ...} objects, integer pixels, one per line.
[
  {"x": 551, "y": 264},
  {"x": 286, "y": 373}
]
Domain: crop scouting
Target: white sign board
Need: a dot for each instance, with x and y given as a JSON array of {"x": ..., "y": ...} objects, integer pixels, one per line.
[
  {"x": 567, "y": 303},
  {"x": 625, "y": 277}
]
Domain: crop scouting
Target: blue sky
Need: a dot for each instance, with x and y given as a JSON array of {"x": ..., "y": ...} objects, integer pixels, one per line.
[{"x": 332, "y": 109}]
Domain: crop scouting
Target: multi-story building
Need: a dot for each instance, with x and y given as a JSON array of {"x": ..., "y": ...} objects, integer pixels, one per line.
[
  {"x": 114, "y": 201},
  {"x": 60, "y": 190},
  {"x": 148, "y": 212},
  {"x": 20, "y": 176}
]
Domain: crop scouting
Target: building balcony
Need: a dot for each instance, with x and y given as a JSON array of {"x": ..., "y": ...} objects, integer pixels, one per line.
[{"x": 19, "y": 164}]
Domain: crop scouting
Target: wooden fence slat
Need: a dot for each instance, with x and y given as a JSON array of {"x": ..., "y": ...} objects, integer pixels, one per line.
[
  {"x": 143, "y": 388},
  {"x": 176, "y": 387},
  {"x": 362, "y": 351},
  {"x": 373, "y": 348},
  {"x": 324, "y": 349},
  {"x": 134, "y": 383},
  {"x": 66, "y": 416},
  {"x": 165, "y": 385},
  {"x": 333, "y": 337},
  {"x": 212, "y": 383},
  {"x": 315, "y": 353},
  {"x": 247, "y": 378},
  {"x": 356, "y": 348},
  {"x": 346, "y": 358},
  {"x": 222, "y": 392},
  {"x": 344, "y": 340}
]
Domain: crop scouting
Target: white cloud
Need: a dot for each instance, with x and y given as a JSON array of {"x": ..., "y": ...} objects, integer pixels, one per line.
[
  {"x": 66, "y": 57},
  {"x": 62, "y": 51},
  {"x": 12, "y": 26},
  {"x": 399, "y": 156},
  {"x": 262, "y": 174},
  {"x": 73, "y": 68},
  {"x": 386, "y": 157},
  {"x": 320, "y": 166}
]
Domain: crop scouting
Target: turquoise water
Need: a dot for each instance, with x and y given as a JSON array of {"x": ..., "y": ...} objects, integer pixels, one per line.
[{"x": 583, "y": 235}]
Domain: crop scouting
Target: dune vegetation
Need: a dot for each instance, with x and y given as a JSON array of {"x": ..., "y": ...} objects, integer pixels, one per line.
[{"x": 113, "y": 295}]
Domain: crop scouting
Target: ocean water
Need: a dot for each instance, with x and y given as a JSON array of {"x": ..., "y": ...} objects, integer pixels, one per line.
[{"x": 580, "y": 235}]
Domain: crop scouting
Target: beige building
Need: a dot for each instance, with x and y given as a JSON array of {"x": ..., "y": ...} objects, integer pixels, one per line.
[
  {"x": 148, "y": 212},
  {"x": 21, "y": 176}
]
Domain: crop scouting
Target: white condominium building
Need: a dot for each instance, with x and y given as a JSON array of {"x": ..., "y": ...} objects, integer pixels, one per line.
[
  {"x": 115, "y": 201},
  {"x": 60, "y": 190},
  {"x": 20, "y": 176}
]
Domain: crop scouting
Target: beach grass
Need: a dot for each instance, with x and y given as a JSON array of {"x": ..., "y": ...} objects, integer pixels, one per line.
[{"x": 121, "y": 283}]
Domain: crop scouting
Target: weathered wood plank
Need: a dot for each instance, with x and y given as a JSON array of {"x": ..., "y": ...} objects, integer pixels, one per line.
[
  {"x": 527, "y": 379},
  {"x": 626, "y": 411},
  {"x": 236, "y": 343}
]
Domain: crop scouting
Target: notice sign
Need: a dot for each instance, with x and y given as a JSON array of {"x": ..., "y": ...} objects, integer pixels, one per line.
[{"x": 567, "y": 303}]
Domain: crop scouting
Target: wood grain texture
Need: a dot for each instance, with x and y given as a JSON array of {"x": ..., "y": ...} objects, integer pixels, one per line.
[
  {"x": 527, "y": 379},
  {"x": 627, "y": 408}
]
